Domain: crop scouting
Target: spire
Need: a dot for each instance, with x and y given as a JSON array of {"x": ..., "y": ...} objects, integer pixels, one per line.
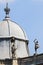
[{"x": 7, "y": 10}]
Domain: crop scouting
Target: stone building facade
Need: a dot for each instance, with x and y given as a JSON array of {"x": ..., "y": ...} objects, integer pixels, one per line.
[{"x": 31, "y": 60}]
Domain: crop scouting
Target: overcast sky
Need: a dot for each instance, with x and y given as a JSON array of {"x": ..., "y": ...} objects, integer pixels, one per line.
[{"x": 29, "y": 15}]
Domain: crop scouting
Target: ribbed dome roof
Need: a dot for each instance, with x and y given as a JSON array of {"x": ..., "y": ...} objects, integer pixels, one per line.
[{"x": 9, "y": 28}]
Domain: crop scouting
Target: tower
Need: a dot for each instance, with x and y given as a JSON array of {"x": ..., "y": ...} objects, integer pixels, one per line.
[{"x": 13, "y": 40}]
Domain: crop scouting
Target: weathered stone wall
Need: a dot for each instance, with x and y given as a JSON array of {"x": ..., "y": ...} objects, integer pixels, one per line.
[
  {"x": 6, "y": 62},
  {"x": 31, "y": 60}
]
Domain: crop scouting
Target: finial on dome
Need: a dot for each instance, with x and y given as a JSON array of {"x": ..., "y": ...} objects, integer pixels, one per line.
[{"x": 7, "y": 10}]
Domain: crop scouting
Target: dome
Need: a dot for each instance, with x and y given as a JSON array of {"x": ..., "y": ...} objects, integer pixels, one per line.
[{"x": 9, "y": 28}]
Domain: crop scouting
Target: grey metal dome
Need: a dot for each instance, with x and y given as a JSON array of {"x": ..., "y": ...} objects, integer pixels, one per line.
[{"x": 9, "y": 28}]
